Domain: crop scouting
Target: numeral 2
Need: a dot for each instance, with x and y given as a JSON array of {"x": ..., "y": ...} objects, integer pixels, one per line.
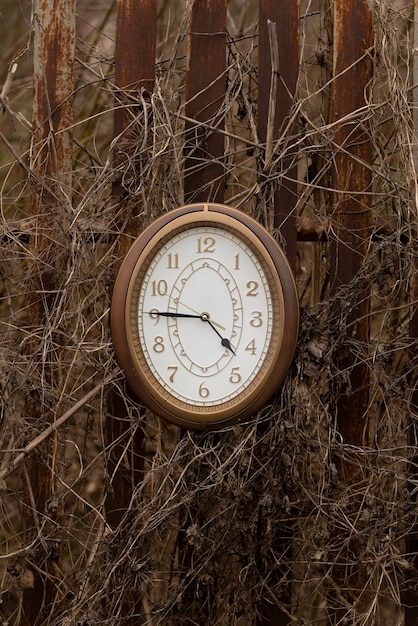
[{"x": 252, "y": 286}]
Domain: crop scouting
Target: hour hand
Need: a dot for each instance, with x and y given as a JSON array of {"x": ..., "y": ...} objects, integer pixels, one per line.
[{"x": 173, "y": 314}]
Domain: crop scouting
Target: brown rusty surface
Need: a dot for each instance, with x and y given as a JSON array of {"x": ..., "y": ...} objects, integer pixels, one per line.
[
  {"x": 351, "y": 218},
  {"x": 205, "y": 93},
  {"x": 53, "y": 86},
  {"x": 51, "y": 175},
  {"x": 352, "y": 180},
  {"x": 285, "y": 14},
  {"x": 135, "y": 54},
  {"x": 135, "y": 50},
  {"x": 352, "y": 176},
  {"x": 134, "y": 78}
]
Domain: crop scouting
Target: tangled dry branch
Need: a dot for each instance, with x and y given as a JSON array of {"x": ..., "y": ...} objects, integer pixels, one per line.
[{"x": 221, "y": 524}]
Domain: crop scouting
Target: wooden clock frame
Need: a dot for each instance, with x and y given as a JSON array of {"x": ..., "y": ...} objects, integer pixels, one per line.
[{"x": 127, "y": 346}]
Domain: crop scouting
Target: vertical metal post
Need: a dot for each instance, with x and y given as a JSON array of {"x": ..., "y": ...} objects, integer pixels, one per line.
[
  {"x": 283, "y": 16},
  {"x": 351, "y": 217},
  {"x": 134, "y": 71},
  {"x": 205, "y": 92},
  {"x": 352, "y": 184},
  {"x": 278, "y": 68},
  {"x": 53, "y": 87}
]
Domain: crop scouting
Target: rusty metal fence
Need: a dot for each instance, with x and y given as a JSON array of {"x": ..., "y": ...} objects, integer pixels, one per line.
[{"x": 345, "y": 226}]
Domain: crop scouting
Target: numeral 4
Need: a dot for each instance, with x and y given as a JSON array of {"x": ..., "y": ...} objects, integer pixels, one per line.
[{"x": 251, "y": 347}]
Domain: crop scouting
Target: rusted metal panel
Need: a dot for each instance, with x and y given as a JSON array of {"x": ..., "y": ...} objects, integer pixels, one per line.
[
  {"x": 351, "y": 216},
  {"x": 284, "y": 17},
  {"x": 205, "y": 93},
  {"x": 136, "y": 27},
  {"x": 352, "y": 182},
  {"x": 51, "y": 175},
  {"x": 53, "y": 86},
  {"x": 278, "y": 66}
]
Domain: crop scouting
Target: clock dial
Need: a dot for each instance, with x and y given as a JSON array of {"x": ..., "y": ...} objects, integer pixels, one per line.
[
  {"x": 201, "y": 315},
  {"x": 205, "y": 315}
]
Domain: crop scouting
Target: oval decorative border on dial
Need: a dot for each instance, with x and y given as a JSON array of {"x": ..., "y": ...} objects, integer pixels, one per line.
[{"x": 177, "y": 297}]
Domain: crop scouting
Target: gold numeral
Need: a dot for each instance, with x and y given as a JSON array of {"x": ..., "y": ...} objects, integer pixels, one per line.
[
  {"x": 154, "y": 315},
  {"x": 251, "y": 347},
  {"x": 206, "y": 245},
  {"x": 203, "y": 391},
  {"x": 173, "y": 369},
  {"x": 159, "y": 344},
  {"x": 235, "y": 376},
  {"x": 159, "y": 287},
  {"x": 236, "y": 262},
  {"x": 173, "y": 261},
  {"x": 252, "y": 286},
  {"x": 257, "y": 319}
]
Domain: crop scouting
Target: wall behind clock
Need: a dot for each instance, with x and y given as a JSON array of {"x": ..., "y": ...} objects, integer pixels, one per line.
[{"x": 300, "y": 113}]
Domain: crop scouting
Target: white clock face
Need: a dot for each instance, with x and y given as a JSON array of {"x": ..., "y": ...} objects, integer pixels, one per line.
[
  {"x": 205, "y": 315},
  {"x": 204, "y": 311}
]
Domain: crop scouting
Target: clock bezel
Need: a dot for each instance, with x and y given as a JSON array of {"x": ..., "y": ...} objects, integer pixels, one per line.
[{"x": 128, "y": 350}]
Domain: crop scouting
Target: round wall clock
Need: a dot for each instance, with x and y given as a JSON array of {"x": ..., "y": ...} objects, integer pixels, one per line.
[{"x": 205, "y": 316}]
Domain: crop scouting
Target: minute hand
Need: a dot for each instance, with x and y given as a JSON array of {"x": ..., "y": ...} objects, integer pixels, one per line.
[
  {"x": 169, "y": 314},
  {"x": 224, "y": 341}
]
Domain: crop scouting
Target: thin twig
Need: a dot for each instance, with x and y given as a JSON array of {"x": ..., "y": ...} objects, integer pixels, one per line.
[
  {"x": 274, "y": 55},
  {"x": 57, "y": 424},
  {"x": 28, "y": 170}
]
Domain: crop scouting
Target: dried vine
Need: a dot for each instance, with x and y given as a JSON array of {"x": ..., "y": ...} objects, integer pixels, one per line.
[{"x": 222, "y": 524}]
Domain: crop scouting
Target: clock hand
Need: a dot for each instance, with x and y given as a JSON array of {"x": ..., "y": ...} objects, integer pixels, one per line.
[
  {"x": 224, "y": 340},
  {"x": 193, "y": 310},
  {"x": 204, "y": 317},
  {"x": 169, "y": 314}
]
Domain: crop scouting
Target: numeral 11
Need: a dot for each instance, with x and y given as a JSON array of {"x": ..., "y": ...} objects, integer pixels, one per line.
[{"x": 173, "y": 261}]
